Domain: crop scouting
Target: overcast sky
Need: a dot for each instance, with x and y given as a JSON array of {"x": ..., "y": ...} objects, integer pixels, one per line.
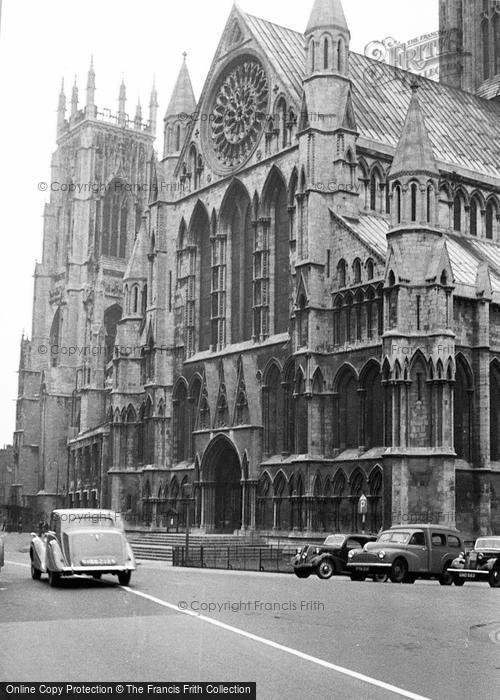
[{"x": 42, "y": 41}]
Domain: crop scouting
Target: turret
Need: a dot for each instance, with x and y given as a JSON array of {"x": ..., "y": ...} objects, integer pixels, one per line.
[
  {"x": 138, "y": 115},
  {"x": 177, "y": 117},
  {"x": 327, "y": 39},
  {"x": 327, "y": 130},
  {"x": 74, "y": 100},
  {"x": 414, "y": 175},
  {"x": 153, "y": 109},
  {"x": 61, "y": 110},
  {"x": 90, "y": 108},
  {"x": 122, "y": 99}
]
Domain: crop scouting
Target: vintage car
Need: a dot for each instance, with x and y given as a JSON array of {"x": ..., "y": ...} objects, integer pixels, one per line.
[
  {"x": 330, "y": 557},
  {"x": 479, "y": 564},
  {"x": 407, "y": 553},
  {"x": 82, "y": 541}
]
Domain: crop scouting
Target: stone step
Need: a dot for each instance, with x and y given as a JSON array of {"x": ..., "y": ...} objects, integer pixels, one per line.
[{"x": 156, "y": 552}]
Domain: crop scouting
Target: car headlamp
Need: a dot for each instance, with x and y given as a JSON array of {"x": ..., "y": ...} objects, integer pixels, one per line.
[
  {"x": 381, "y": 554},
  {"x": 351, "y": 554}
]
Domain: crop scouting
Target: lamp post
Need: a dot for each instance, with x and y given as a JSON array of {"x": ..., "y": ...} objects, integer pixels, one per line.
[{"x": 186, "y": 495}]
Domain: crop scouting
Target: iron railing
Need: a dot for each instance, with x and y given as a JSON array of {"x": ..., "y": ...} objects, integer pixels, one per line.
[{"x": 237, "y": 557}]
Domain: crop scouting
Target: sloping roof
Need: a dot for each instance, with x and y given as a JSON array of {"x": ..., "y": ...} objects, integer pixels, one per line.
[
  {"x": 490, "y": 88},
  {"x": 466, "y": 253},
  {"x": 285, "y": 49},
  {"x": 464, "y": 129}
]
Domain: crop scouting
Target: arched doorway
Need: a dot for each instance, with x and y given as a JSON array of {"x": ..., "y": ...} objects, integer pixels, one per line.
[{"x": 221, "y": 487}]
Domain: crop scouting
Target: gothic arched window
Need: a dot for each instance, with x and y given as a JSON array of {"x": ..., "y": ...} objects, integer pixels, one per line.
[
  {"x": 115, "y": 222},
  {"x": 489, "y": 219},
  {"x": 272, "y": 409}
]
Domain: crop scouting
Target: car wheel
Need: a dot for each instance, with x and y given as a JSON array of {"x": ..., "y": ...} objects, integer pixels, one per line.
[
  {"x": 54, "y": 578},
  {"x": 357, "y": 577},
  {"x": 494, "y": 578},
  {"x": 124, "y": 577},
  {"x": 399, "y": 570},
  {"x": 326, "y": 569},
  {"x": 380, "y": 578},
  {"x": 446, "y": 579},
  {"x": 36, "y": 574},
  {"x": 302, "y": 574}
]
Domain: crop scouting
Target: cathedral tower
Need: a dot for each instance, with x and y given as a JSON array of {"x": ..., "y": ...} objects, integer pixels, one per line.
[{"x": 470, "y": 46}]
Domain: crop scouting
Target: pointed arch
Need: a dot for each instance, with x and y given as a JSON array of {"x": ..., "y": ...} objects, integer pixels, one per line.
[
  {"x": 495, "y": 410},
  {"x": 235, "y": 222},
  {"x": 347, "y": 407},
  {"x": 463, "y": 407},
  {"x": 265, "y": 502},
  {"x": 275, "y": 207},
  {"x": 197, "y": 280}
]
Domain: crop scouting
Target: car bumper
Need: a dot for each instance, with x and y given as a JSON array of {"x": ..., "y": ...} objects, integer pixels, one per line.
[
  {"x": 91, "y": 570},
  {"x": 469, "y": 574},
  {"x": 372, "y": 567}
]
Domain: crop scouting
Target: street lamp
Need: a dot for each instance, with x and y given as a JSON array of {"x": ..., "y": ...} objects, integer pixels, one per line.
[{"x": 187, "y": 490}]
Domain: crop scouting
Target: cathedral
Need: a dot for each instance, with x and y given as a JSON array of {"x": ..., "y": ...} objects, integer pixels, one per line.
[{"x": 295, "y": 304}]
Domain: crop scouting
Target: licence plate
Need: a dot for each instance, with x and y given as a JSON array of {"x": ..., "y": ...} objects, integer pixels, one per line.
[
  {"x": 466, "y": 575},
  {"x": 362, "y": 568},
  {"x": 98, "y": 561}
]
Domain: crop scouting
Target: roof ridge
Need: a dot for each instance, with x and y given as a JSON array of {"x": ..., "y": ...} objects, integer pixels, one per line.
[{"x": 275, "y": 24}]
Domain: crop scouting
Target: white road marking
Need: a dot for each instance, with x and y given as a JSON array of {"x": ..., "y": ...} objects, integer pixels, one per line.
[
  {"x": 281, "y": 647},
  {"x": 18, "y": 563}
]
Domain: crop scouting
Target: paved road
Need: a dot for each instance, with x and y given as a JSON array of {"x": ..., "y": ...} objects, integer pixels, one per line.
[{"x": 295, "y": 638}]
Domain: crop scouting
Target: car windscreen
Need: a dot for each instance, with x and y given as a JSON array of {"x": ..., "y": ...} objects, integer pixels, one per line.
[
  {"x": 334, "y": 540},
  {"x": 491, "y": 543},
  {"x": 395, "y": 537}
]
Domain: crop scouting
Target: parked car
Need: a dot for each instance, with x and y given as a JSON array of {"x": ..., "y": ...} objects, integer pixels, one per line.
[
  {"x": 82, "y": 541},
  {"x": 479, "y": 564},
  {"x": 330, "y": 558},
  {"x": 408, "y": 553}
]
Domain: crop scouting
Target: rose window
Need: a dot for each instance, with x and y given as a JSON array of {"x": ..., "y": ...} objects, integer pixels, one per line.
[{"x": 238, "y": 113}]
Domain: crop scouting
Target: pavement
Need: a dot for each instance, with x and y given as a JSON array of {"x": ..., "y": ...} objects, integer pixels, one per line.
[{"x": 295, "y": 638}]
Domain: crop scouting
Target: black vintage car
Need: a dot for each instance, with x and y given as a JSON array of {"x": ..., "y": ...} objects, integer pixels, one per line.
[
  {"x": 479, "y": 564},
  {"x": 330, "y": 557}
]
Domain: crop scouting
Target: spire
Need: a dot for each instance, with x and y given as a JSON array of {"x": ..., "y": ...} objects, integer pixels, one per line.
[
  {"x": 153, "y": 108},
  {"x": 138, "y": 115},
  {"x": 122, "y": 99},
  {"x": 327, "y": 13},
  {"x": 414, "y": 151},
  {"x": 61, "y": 109},
  {"x": 90, "y": 106},
  {"x": 182, "y": 100},
  {"x": 74, "y": 99}
]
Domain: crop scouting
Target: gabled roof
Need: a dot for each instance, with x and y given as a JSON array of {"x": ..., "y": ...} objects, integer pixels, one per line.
[
  {"x": 466, "y": 253},
  {"x": 464, "y": 129}
]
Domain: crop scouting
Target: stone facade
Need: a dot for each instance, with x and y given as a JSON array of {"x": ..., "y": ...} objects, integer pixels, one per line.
[{"x": 303, "y": 306}]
